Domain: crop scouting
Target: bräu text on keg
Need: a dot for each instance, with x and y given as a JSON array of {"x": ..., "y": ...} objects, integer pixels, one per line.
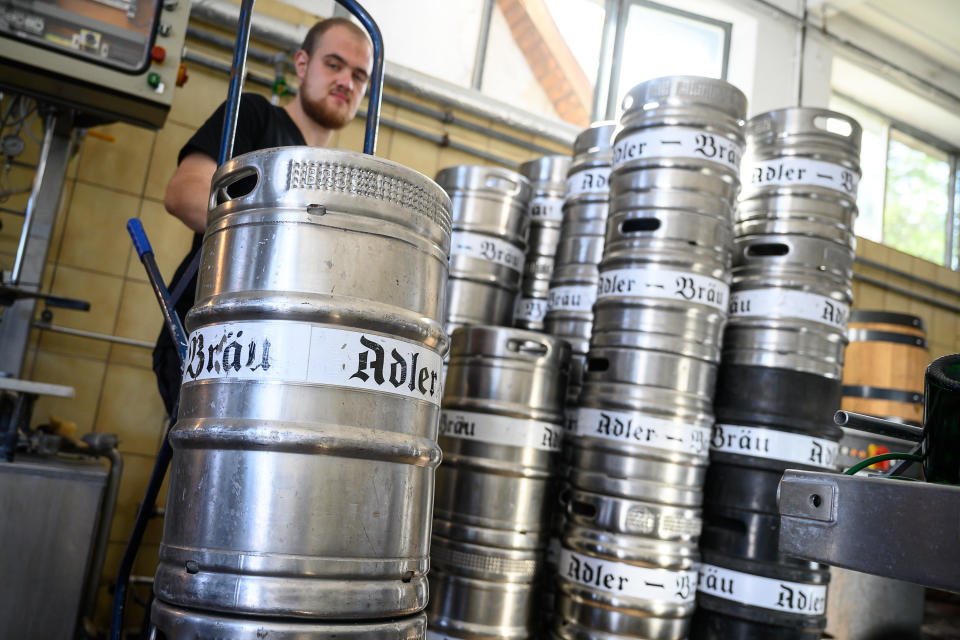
[
  {"x": 684, "y": 287},
  {"x": 490, "y": 251},
  {"x": 226, "y": 355},
  {"x": 403, "y": 369}
]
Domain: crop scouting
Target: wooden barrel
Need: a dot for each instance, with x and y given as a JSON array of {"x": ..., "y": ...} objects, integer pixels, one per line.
[{"x": 884, "y": 365}]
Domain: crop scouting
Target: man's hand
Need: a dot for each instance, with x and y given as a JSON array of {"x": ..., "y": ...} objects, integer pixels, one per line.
[{"x": 188, "y": 191}]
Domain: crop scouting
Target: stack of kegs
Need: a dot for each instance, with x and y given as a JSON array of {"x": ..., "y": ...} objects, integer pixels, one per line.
[
  {"x": 548, "y": 181},
  {"x": 303, "y": 463},
  {"x": 573, "y": 288},
  {"x": 638, "y": 451},
  {"x": 780, "y": 380},
  {"x": 487, "y": 250},
  {"x": 501, "y": 433}
]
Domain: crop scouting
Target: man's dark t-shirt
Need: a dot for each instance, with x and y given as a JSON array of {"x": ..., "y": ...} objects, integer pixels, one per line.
[{"x": 260, "y": 125}]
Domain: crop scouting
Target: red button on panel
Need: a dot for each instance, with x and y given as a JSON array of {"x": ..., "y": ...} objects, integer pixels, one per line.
[{"x": 158, "y": 54}]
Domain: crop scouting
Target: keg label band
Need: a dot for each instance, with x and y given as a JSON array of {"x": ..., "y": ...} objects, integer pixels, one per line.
[
  {"x": 664, "y": 283},
  {"x": 572, "y": 298},
  {"x": 774, "y": 445},
  {"x": 501, "y": 430},
  {"x": 298, "y": 352},
  {"x": 483, "y": 247},
  {"x": 628, "y": 580},
  {"x": 635, "y": 427},
  {"x": 530, "y": 310},
  {"x": 678, "y": 142},
  {"x": 546, "y": 208},
  {"x": 788, "y": 303},
  {"x": 766, "y": 593},
  {"x": 778, "y": 172},
  {"x": 589, "y": 181}
]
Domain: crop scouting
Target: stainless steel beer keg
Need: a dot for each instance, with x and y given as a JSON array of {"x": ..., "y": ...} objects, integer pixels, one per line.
[
  {"x": 186, "y": 624},
  {"x": 301, "y": 483},
  {"x": 615, "y": 581},
  {"x": 681, "y": 133},
  {"x": 490, "y": 227},
  {"x": 547, "y": 178},
  {"x": 501, "y": 431},
  {"x": 803, "y": 152},
  {"x": 790, "y": 303}
]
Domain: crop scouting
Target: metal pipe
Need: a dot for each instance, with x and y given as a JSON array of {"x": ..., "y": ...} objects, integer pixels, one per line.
[
  {"x": 440, "y": 140},
  {"x": 907, "y": 276},
  {"x": 376, "y": 76},
  {"x": 907, "y": 292},
  {"x": 481, "y": 56},
  {"x": 49, "y": 122},
  {"x": 605, "y": 60},
  {"x": 226, "y": 43},
  {"x": 237, "y": 71},
  {"x": 143, "y": 344},
  {"x": 951, "y": 248},
  {"x": 878, "y": 426},
  {"x": 111, "y": 492}
]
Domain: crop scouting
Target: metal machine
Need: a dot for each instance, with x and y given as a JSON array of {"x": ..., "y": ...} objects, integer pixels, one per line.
[{"x": 106, "y": 59}]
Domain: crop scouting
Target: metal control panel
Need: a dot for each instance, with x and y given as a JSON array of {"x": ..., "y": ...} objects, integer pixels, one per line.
[{"x": 108, "y": 59}]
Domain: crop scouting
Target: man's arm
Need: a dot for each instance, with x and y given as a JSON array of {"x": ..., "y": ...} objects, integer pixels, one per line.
[{"x": 188, "y": 191}]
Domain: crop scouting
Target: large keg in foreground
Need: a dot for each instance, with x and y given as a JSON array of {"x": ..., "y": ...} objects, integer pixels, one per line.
[
  {"x": 490, "y": 226},
  {"x": 185, "y": 624},
  {"x": 302, "y": 478},
  {"x": 884, "y": 365},
  {"x": 501, "y": 433},
  {"x": 548, "y": 179}
]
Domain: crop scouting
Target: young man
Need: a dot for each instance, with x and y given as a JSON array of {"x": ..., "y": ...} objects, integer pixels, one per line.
[{"x": 332, "y": 66}]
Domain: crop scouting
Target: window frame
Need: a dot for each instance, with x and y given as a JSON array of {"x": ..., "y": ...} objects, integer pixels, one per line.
[
  {"x": 951, "y": 255},
  {"x": 606, "y": 97}
]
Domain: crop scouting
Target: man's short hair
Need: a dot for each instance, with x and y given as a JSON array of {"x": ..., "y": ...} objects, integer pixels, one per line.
[{"x": 312, "y": 39}]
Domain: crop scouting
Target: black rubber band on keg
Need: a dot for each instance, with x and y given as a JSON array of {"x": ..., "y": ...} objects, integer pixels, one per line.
[
  {"x": 879, "y": 393},
  {"x": 741, "y": 484},
  {"x": 887, "y": 317},
  {"x": 778, "y": 398},
  {"x": 937, "y": 372},
  {"x": 708, "y": 624},
  {"x": 869, "y": 335}
]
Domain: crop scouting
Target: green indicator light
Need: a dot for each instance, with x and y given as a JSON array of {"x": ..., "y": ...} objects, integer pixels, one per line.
[{"x": 153, "y": 79}]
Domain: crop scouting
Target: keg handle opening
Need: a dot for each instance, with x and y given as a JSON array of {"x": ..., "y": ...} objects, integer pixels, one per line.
[
  {"x": 221, "y": 193},
  {"x": 583, "y": 509},
  {"x": 640, "y": 225},
  {"x": 533, "y": 348},
  {"x": 502, "y": 183},
  {"x": 768, "y": 250},
  {"x": 597, "y": 364}
]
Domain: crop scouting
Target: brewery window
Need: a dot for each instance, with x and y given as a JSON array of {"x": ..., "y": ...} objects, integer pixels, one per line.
[
  {"x": 907, "y": 197},
  {"x": 697, "y": 46}
]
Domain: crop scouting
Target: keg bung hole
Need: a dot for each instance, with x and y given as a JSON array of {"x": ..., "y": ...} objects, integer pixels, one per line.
[
  {"x": 816, "y": 500},
  {"x": 407, "y": 577},
  {"x": 834, "y": 125},
  {"x": 597, "y": 364},
  {"x": 768, "y": 249},
  {"x": 638, "y": 225},
  {"x": 584, "y": 509}
]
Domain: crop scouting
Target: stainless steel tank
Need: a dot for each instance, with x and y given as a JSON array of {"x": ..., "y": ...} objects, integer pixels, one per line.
[
  {"x": 490, "y": 226},
  {"x": 501, "y": 432},
  {"x": 547, "y": 176},
  {"x": 302, "y": 477},
  {"x": 186, "y": 624}
]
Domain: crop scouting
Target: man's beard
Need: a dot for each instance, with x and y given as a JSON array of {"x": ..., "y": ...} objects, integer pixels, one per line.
[{"x": 323, "y": 115}]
